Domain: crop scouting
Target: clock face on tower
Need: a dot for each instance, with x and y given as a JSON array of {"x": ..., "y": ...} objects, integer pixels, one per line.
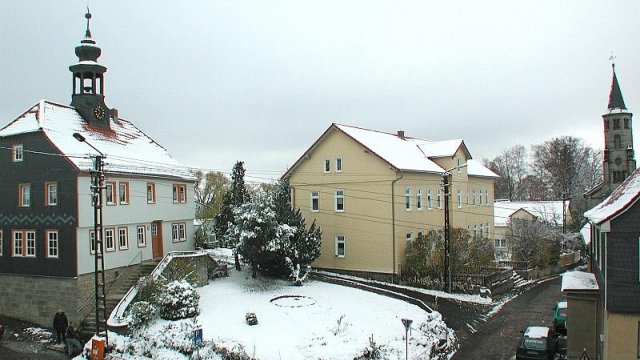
[{"x": 99, "y": 112}]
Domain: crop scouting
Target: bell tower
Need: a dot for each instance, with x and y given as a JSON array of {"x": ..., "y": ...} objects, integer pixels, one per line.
[
  {"x": 619, "y": 158},
  {"x": 88, "y": 82}
]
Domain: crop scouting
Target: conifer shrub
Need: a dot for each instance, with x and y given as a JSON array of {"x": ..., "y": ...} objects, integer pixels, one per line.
[{"x": 141, "y": 313}]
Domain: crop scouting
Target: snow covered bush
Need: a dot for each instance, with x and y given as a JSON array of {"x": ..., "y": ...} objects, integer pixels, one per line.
[
  {"x": 179, "y": 301},
  {"x": 151, "y": 290},
  {"x": 140, "y": 313},
  {"x": 372, "y": 351},
  {"x": 251, "y": 318},
  {"x": 298, "y": 276}
]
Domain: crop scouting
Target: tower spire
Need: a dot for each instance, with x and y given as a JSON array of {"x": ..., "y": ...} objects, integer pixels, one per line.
[
  {"x": 615, "y": 96},
  {"x": 87, "y": 34}
]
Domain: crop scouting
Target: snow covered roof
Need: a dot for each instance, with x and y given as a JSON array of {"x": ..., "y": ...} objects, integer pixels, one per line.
[
  {"x": 406, "y": 153},
  {"x": 549, "y": 211},
  {"x": 625, "y": 195},
  {"x": 562, "y": 305},
  {"x": 537, "y": 332},
  {"x": 127, "y": 149},
  {"x": 579, "y": 280},
  {"x": 586, "y": 233}
]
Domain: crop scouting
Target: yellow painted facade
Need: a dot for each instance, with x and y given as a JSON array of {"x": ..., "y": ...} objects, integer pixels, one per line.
[
  {"x": 621, "y": 336},
  {"x": 383, "y": 206}
]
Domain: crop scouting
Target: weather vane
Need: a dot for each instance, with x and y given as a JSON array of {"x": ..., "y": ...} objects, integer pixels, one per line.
[
  {"x": 88, "y": 16},
  {"x": 612, "y": 58}
]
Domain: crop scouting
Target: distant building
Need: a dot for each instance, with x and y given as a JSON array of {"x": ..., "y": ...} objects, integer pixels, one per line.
[
  {"x": 615, "y": 261},
  {"x": 46, "y": 208},
  {"x": 372, "y": 192},
  {"x": 618, "y": 156},
  {"x": 505, "y": 211}
]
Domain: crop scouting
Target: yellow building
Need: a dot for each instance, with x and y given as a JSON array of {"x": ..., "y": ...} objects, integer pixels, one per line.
[{"x": 371, "y": 192}]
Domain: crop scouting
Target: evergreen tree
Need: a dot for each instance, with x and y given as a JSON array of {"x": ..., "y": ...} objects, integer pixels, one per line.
[{"x": 235, "y": 196}]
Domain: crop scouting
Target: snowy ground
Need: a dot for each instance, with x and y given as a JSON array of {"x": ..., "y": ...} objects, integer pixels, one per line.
[{"x": 318, "y": 320}]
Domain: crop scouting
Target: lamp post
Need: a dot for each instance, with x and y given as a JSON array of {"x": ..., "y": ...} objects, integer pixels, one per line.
[{"x": 97, "y": 184}]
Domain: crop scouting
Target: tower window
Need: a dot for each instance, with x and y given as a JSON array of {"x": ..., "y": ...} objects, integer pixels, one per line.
[
  {"x": 616, "y": 123},
  {"x": 617, "y": 142},
  {"x": 626, "y": 123},
  {"x": 606, "y": 124}
]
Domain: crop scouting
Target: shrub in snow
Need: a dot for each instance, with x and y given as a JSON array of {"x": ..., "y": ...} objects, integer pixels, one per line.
[
  {"x": 151, "y": 290},
  {"x": 181, "y": 269},
  {"x": 140, "y": 313},
  {"x": 179, "y": 301},
  {"x": 251, "y": 318},
  {"x": 372, "y": 351},
  {"x": 297, "y": 275},
  {"x": 341, "y": 325}
]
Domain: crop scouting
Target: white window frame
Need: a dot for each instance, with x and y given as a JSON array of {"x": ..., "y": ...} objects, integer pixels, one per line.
[
  {"x": 439, "y": 198},
  {"x": 409, "y": 237},
  {"x": 141, "y": 236},
  {"x": 338, "y": 164},
  {"x": 481, "y": 231},
  {"x": 24, "y": 194},
  {"x": 326, "y": 165},
  {"x": 340, "y": 239},
  {"x": 315, "y": 201},
  {"x": 30, "y": 243},
  {"x": 408, "y": 202},
  {"x": 339, "y": 199},
  {"x": 110, "y": 192},
  {"x": 458, "y": 164},
  {"x": 17, "y": 153},
  {"x": 17, "y": 243},
  {"x": 474, "y": 197},
  {"x": 92, "y": 236},
  {"x": 419, "y": 199},
  {"x": 182, "y": 231},
  {"x": 123, "y": 238},
  {"x": 429, "y": 199},
  {"x": 151, "y": 193},
  {"x": 459, "y": 198},
  {"x": 179, "y": 193},
  {"x": 486, "y": 197},
  {"x": 123, "y": 193},
  {"x": 480, "y": 197},
  {"x": 109, "y": 242},
  {"x": 475, "y": 231},
  {"x": 51, "y": 193},
  {"x": 53, "y": 244}
]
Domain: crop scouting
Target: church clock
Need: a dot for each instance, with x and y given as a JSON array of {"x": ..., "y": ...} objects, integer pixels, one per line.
[{"x": 99, "y": 112}]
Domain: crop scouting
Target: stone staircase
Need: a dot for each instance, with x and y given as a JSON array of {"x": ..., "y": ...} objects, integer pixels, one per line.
[
  {"x": 115, "y": 294},
  {"x": 518, "y": 280}
]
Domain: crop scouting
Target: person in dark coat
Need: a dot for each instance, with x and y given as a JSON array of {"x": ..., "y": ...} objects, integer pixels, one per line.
[{"x": 60, "y": 324}]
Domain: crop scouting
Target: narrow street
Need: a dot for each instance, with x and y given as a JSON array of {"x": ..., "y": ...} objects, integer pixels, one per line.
[{"x": 496, "y": 337}]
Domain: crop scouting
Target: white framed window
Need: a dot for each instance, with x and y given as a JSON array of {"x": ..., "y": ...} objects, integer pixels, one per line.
[
  {"x": 407, "y": 199},
  {"x": 182, "y": 232},
  {"x": 18, "y": 243},
  {"x": 474, "y": 197},
  {"x": 141, "y": 235},
  {"x": 409, "y": 236},
  {"x": 92, "y": 242},
  {"x": 51, "y": 189},
  {"x": 30, "y": 245},
  {"x": 179, "y": 193},
  {"x": 459, "y": 164},
  {"x": 315, "y": 201},
  {"x": 480, "y": 197},
  {"x": 419, "y": 199},
  {"x": 151, "y": 193},
  {"x": 459, "y": 198},
  {"x": 51, "y": 243},
  {"x": 340, "y": 246},
  {"x": 24, "y": 192},
  {"x": 500, "y": 243},
  {"x": 486, "y": 228},
  {"x": 178, "y": 232},
  {"x": 1, "y": 243},
  {"x": 17, "y": 153},
  {"x": 110, "y": 192},
  {"x": 486, "y": 197},
  {"x": 326, "y": 166},
  {"x": 429, "y": 200},
  {"x": 123, "y": 192},
  {"x": 481, "y": 230},
  {"x": 109, "y": 239},
  {"x": 475, "y": 231},
  {"x": 439, "y": 199},
  {"x": 123, "y": 238},
  {"x": 338, "y": 164},
  {"x": 339, "y": 200},
  {"x": 174, "y": 232}
]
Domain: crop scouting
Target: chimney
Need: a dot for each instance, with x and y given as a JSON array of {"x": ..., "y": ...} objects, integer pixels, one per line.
[{"x": 401, "y": 134}]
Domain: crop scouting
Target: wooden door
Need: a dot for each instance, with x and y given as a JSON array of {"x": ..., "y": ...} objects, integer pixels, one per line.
[{"x": 156, "y": 239}]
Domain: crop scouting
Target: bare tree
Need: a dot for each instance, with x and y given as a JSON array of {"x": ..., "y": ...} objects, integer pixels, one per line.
[{"x": 512, "y": 166}]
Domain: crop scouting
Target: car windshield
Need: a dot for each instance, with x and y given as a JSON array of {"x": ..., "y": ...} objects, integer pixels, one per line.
[
  {"x": 562, "y": 313},
  {"x": 531, "y": 343}
]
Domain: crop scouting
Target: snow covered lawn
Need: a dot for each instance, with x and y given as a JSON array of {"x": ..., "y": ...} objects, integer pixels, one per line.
[{"x": 316, "y": 321}]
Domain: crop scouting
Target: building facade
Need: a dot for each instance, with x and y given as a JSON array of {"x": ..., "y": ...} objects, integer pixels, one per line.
[
  {"x": 46, "y": 212},
  {"x": 372, "y": 192},
  {"x": 615, "y": 261}
]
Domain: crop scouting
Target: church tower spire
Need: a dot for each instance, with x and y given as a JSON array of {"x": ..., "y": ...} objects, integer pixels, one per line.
[
  {"x": 88, "y": 81},
  {"x": 619, "y": 158}
]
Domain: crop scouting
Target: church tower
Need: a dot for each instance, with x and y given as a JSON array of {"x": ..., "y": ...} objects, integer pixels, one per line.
[
  {"x": 619, "y": 159},
  {"x": 88, "y": 82}
]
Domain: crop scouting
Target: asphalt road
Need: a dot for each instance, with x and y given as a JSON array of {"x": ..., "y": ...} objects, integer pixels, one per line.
[
  {"x": 496, "y": 337},
  {"x": 15, "y": 345}
]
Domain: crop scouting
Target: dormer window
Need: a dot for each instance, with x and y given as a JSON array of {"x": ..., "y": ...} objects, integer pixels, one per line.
[
  {"x": 459, "y": 165},
  {"x": 17, "y": 153}
]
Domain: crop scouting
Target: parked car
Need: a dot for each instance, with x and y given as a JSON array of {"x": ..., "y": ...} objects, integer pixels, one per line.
[
  {"x": 537, "y": 343},
  {"x": 560, "y": 318}
]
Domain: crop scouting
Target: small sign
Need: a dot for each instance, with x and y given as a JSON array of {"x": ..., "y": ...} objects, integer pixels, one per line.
[
  {"x": 197, "y": 336},
  {"x": 407, "y": 324},
  {"x": 97, "y": 348}
]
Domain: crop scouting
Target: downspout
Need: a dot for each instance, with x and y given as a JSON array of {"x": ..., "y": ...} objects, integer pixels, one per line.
[{"x": 393, "y": 226}]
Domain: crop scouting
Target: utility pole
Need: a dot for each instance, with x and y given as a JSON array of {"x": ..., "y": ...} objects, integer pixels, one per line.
[
  {"x": 447, "y": 232},
  {"x": 97, "y": 185},
  {"x": 565, "y": 197}
]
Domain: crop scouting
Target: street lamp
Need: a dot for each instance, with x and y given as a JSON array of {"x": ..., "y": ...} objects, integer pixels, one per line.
[{"x": 97, "y": 184}]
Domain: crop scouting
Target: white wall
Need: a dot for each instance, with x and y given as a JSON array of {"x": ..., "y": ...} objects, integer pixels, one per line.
[{"x": 137, "y": 212}]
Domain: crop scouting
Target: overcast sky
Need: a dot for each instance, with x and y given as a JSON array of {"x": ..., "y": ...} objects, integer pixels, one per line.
[{"x": 259, "y": 81}]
